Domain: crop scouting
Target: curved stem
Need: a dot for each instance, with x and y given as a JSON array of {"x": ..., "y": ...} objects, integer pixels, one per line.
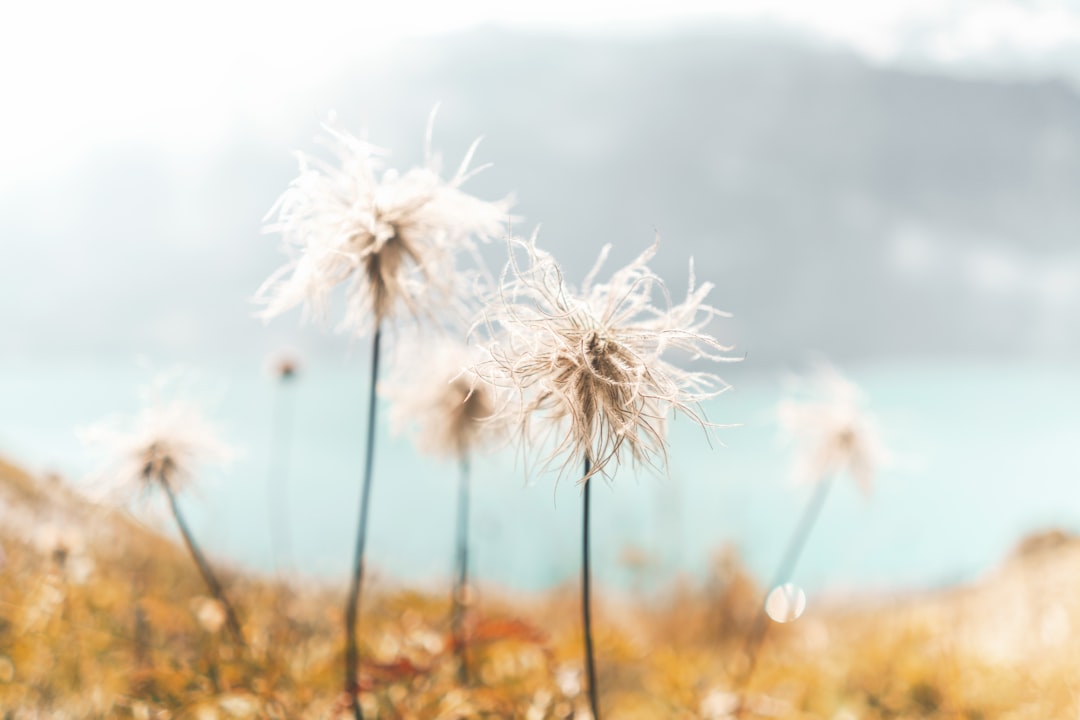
[
  {"x": 352, "y": 605},
  {"x": 460, "y": 587},
  {"x": 783, "y": 574},
  {"x": 586, "y": 610},
  {"x": 207, "y": 573}
]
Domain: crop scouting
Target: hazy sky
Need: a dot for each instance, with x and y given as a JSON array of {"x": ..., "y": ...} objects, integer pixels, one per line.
[
  {"x": 841, "y": 207},
  {"x": 77, "y": 77}
]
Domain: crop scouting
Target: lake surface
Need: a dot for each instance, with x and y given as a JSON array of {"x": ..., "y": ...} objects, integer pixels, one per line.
[{"x": 983, "y": 454}]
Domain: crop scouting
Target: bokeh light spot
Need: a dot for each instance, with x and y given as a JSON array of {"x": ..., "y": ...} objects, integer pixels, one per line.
[{"x": 785, "y": 603}]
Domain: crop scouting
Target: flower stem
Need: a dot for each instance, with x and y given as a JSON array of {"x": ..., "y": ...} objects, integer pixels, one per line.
[
  {"x": 783, "y": 574},
  {"x": 462, "y": 572},
  {"x": 73, "y": 628},
  {"x": 586, "y": 611},
  {"x": 352, "y": 606},
  {"x": 278, "y": 480},
  {"x": 205, "y": 570},
  {"x": 141, "y": 629}
]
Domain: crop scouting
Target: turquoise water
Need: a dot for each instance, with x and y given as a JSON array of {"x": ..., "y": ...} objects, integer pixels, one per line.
[{"x": 983, "y": 454}]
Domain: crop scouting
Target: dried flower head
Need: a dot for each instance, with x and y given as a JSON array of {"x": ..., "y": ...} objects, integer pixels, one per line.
[
  {"x": 591, "y": 364},
  {"x": 393, "y": 237},
  {"x": 449, "y": 407},
  {"x": 65, "y": 547},
  {"x": 831, "y": 432},
  {"x": 164, "y": 443},
  {"x": 284, "y": 365}
]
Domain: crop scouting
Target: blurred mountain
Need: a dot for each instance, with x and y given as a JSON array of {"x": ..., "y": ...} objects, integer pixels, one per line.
[{"x": 861, "y": 211}]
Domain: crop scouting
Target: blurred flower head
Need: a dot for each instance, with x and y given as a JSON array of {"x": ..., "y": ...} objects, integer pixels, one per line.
[
  {"x": 449, "y": 408},
  {"x": 65, "y": 547},
  {"x": 283, "y": 365},
  {"x": 832, "y": 433},
  {"x": 391, "y": 237},
  {"x": 589, "y": 367},
  {"x": 165, "y": 443}
]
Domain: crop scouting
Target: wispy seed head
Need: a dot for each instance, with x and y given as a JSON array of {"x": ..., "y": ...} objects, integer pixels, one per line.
[
  {"x": 449, "y": 408},
  {"x": 590, "y": 368},
  {"x": 164, "y": 444},
  {"x": 831, "y": 431},
  {"x": 392, "y": 239}
]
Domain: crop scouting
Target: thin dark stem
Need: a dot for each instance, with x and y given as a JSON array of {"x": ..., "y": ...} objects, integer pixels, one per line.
[
  {"x": 461, "y": 584},
  {"x": 783, "y": 574},
  {"x": 205, "y": 570},
  {"x": 278, "y": 480},
  {"x": 68, "y": 613},
  {"x": 141, "y": 634},
  {"x": 586, "y": 609},
  {"x": 139, "y": 681},
  {"x": 352, "y": 606}
]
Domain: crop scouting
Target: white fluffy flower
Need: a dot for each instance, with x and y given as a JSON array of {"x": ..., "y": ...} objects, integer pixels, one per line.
[
  {"x": 831, "y": 431},
  {"x": 591, "y": 365},
  {"x": 391, "y": 237},
  {"x": 165, "y": 443},
  {"x": 449, "y": 409}
]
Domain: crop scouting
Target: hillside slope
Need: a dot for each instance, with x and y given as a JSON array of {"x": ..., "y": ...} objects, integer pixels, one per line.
[{"x": 108, "y": 619}]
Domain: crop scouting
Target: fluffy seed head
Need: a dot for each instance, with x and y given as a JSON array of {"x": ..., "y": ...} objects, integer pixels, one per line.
[
  {"x": 165, "y": 443},
  {"x": 589, "y": 367},
  {"x": 450, "y": 409},
  {"x": 391, "y": 237},
  {"x": 831, "y": 431}
]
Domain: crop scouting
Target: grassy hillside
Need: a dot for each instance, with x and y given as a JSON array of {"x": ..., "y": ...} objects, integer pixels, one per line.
[{"x": 101, "y": 616}]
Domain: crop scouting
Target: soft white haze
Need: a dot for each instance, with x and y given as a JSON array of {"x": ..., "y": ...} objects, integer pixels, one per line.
[
  {"x": 892, "y": 184},
  {"x": 78, "y": 77}
]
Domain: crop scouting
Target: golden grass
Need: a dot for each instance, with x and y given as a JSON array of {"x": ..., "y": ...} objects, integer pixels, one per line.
[{"x": 136, "y": 638}]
